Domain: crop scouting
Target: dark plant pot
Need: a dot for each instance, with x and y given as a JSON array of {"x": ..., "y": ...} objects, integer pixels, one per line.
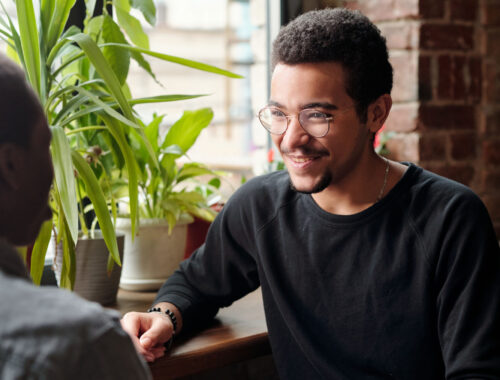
[{"x": 92, "y": 281}]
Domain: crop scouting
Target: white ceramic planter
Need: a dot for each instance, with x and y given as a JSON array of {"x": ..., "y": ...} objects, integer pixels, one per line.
[
  {"x": 153, "y": 255},
  {"x": 92, "y": 281}
]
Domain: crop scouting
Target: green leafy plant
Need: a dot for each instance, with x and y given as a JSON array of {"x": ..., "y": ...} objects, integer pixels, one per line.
[
  {"x": 169, "y": 190},
  {"x": 80, "y": 78}
]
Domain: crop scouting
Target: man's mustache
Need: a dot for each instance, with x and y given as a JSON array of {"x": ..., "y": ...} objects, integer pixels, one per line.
[{"x": 304, "y": 150}]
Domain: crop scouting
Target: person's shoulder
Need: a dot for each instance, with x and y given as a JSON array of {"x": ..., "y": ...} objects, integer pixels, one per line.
[
  {"x": 52, "y": 331},
  {"x": 57, "y": 310},
  {"x": 260, "y": 198},
  {"x": 437, "y": 193}
]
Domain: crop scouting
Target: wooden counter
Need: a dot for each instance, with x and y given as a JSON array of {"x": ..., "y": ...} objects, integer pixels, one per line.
[{"x": 238, "y": 333}]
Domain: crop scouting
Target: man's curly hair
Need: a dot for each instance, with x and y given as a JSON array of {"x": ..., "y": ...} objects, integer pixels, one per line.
[{"x": 343, "y": 36}]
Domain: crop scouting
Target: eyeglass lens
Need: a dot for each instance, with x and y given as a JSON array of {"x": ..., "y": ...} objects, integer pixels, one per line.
[{"x": 314, "y": 122}]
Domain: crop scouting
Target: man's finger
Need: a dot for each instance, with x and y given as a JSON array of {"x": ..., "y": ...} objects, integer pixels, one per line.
[{"x": 159, "y": 332}]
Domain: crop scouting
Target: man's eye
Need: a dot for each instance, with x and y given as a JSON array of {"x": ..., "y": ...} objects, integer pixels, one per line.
[
  {"x": 316, "y": 115},
  {"x": 277, "y": 113}
]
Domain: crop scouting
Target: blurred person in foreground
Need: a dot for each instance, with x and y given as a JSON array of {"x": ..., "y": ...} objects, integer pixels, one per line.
[
  {"x": 369, "y": 268},
  {"x": 45, "y": 333}
]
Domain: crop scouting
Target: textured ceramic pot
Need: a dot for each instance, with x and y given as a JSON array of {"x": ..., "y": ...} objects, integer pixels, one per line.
[
  {"x": 153, "y": 255},
  {"x": 92, "y": 281}
]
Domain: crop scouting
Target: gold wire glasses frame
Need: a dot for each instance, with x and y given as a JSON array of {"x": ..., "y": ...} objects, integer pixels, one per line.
[{"x": 314, "y": 122}]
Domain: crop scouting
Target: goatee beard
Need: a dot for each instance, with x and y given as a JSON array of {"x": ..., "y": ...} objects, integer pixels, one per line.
[{"x": 323, "y": 183}]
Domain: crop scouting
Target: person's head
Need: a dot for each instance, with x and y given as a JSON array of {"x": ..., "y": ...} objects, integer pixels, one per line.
[
  {"x": 331, "y": 69},
  {"x": 343, "y": 36},
  {"x": 25, "y": 163}
]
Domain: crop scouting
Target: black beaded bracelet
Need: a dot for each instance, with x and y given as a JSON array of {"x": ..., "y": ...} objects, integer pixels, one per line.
[{"x": 168, "y": 312}]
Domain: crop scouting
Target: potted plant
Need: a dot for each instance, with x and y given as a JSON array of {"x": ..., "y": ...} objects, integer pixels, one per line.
[
  {"x": 80, "y": 78},
  {"x": 170, "y": 199}
]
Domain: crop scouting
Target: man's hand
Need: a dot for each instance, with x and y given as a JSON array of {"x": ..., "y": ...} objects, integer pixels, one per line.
[{"x": 149, "y": 332}]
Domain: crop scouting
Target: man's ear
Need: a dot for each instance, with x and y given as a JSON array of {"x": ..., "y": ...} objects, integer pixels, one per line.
[
  {"x": 378, "y": 111},
  {"x": 11, "y": 164}
]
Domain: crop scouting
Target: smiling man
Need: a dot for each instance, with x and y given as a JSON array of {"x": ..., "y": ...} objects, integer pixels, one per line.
[{"x": 369, "y": 268}]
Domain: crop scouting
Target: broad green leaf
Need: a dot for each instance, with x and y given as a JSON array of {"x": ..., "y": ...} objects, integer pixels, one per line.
[
  {"x": 117, "y": 132},
  {"x": 132, "y": 27},
  {"x": 57, "y": 22},
  {"x": 39, "y": 251},
  {"x": 89, "y": 9},
  {"x": 191, "y": 170},
  {"x": 105, "y": 71},
  {"x": 65, "y": 179},
  {"x": 122, "y": 4},
  {"x": 30, "y": 43},
  {"x": 94, "y": 27},
  {"x": 59, "y": 48},
  {"x": 118, "y": 59},
  {"x": 186, "y": 130},
  {"x": 152, "y": 131},
  {"x": 96, "y": 196},
  {"x": 180, "y": 61},
  {"x": 147, "y": 8},
  {"x": 173, "y": 149}
]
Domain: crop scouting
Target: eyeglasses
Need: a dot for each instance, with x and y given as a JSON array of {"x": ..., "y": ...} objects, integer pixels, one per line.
[{"x": 314, "y": 122}]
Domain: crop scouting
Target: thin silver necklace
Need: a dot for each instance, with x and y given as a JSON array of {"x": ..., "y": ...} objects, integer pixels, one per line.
[{"x": 385, "y": 179}]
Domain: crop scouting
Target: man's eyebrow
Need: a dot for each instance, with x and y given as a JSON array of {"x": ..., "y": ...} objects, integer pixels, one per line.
[
  {"x": 274, "y": 104},
  {"x": 324, "y": 105}
]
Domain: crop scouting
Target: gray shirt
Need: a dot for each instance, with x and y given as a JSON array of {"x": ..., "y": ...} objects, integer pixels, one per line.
[{"x": 49, "y": 333}]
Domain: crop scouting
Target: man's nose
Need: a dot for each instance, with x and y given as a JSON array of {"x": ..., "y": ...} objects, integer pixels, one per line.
[{"x": 295, "y": 135}]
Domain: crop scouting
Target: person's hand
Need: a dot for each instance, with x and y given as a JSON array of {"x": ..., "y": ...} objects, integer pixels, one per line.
[{"x": 149, "y": 332}]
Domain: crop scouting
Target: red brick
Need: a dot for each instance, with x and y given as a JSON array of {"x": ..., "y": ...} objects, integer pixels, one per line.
[
  {"x": 463, "y": 9},
  {"x": 431, "y": 8},
  {"x": 453, "y": 74},
  {"x": 400, "y": 35},
  {"x": 463, "y": 145},
  {"x": 491, "y": 152},
  {"x": 490, "y": 13},
  {"x": 432, "y": 148},
  {"x": 403, "y": 117},
  {"x": 404, "y": 147},
  {"x": 439, "y": 36},
  {"x": 447, "y": 116},
  {"x": 405, "y": 87},
  {"x": 474, "y": 79},
  {"x": 424, "y": 78},
  {"x": 491, "y": 45},
  {"x": 492, "y": 126},
  {"x": 445, "y": 77},
  {"x": 384, "y": 10},
  {"x": 490, "y": 180},
  {"x": 492, "y": 82},
  {"x": 460, "y": 173}
]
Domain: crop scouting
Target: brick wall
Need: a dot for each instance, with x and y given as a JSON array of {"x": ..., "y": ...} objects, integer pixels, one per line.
[{"x": 446, "y": 113}]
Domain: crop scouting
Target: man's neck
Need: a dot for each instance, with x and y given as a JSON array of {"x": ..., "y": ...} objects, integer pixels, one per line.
[{"x": 360, "y": 190}]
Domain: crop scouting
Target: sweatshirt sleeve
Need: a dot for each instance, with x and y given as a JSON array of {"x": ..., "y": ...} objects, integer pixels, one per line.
[
  {"x": 221, "y": 271},
  {"x": 468, "y": 291}
]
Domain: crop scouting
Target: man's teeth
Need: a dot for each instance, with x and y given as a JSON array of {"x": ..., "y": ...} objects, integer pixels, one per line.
[{"x": 297, "y": 159}]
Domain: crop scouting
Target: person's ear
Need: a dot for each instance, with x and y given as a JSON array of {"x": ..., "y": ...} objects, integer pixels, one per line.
[
  {"x": 378, "y": 111},
  {"x": 11, "y": 164}
]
